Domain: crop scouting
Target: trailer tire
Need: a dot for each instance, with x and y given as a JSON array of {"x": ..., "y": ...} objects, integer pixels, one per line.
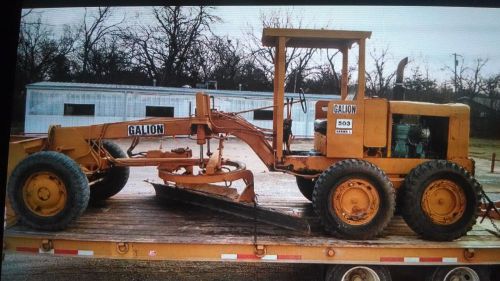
[
  {"x": 440, "y": 200},
  {"x": 114, "y": 179},
  {"x": 352, "y": 272},
  {"x": 447, "y": 273},
  {"x": 306, "y": 186},
  {"x": 48, "y": 190},
  {"x": 354, "y": 199}
]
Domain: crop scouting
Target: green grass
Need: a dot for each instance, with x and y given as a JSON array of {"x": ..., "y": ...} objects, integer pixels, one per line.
[{"x": 483, "y": 148}]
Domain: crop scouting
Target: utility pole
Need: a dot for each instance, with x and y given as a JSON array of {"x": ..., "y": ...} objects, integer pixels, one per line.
[{"x": 456, "y": 64}]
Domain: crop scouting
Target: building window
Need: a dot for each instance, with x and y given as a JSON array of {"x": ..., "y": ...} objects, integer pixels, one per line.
[
  {"x": 261, "y": 114},
  {"x": 159, "y": 111},
  {"x": 73, "y": 109}
]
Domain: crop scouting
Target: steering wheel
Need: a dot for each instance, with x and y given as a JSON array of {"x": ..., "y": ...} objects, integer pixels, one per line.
[{"x": 302, "y": 99}]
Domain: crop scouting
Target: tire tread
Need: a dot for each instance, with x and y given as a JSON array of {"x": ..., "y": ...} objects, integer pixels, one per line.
[
  {"x": 322, "y": 189},
  {"x": 69, "y": 170},
  {"x": 410, "y": 210}
]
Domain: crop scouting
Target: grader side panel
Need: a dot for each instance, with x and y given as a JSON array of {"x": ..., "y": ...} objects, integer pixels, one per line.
[
  {"x": 375, "y": 127},
  {"x": 345, "y": 129}
]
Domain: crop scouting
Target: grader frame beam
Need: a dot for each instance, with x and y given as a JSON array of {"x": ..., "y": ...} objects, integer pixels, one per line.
[{"x": 74, "y": 141}]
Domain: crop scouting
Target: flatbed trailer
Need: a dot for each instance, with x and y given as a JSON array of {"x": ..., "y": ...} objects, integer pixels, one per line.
[{"x": 144, "y": 227}]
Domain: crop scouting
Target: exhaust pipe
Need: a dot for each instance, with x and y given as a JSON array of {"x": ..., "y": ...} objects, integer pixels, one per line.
[{"x": 399, "y": 90}]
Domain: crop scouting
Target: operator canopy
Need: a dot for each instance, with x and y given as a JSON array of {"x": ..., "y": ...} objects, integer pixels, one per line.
[{"x": 313, "y": 38}]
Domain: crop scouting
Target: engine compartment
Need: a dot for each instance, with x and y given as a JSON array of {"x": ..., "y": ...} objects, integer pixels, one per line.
[{"x": 418, "y": 136}]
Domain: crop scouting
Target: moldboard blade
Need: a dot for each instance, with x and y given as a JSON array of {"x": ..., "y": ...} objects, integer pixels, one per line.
[{"x": 243, "y": 210}]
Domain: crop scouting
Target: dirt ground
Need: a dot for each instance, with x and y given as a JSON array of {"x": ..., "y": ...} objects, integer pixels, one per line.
[{"x": 23, "y": 267}]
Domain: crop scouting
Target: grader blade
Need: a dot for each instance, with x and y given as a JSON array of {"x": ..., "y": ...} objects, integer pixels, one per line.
[{"x": 239, "y": 209}]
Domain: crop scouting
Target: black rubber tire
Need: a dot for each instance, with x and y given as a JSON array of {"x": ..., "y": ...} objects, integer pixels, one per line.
[
  {"x": 412, "y": 191},
  {"x": 332, "y": 178},
  {"x": 114, "y": 179},
  {"x": 440, "y": 273},
  {"x": 71, "y": 175},
  {"x": 336, "y": 273},
  {"x": 306, "y": 186}
]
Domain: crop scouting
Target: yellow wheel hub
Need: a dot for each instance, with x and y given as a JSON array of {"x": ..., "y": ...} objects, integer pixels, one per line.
[
  {"x": 444, "y": 202},
  {"x": 44, "y": 194},
  {"x": 355, "y": 201}
]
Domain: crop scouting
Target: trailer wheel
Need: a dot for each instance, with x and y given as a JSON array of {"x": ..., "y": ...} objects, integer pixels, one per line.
[
  {"x": 358, "y": 272},
  {"x": 48, "y": 190},
  {"x": 354, "y": 199},
  {"x": 114, "y": 179},
  {"x": 440, "y": 200},
  {"x": 306, "y": 186},
  {"x": 459, "y": 273}
]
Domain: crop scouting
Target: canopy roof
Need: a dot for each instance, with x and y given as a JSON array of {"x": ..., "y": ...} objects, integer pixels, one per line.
[{"x": 313, "y": 38}]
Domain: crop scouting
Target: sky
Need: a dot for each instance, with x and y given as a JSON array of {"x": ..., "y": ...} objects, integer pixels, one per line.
[{"x": 427, "y": 35}]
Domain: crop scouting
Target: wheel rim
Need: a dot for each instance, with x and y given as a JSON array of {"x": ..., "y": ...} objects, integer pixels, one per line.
[
  {"x": 462, "y": 274},
  {"x": 44, "y": 194},
  {"x": 355, "y": 201},
  {"x": 360, "y": 273},
  {"x": 444, "y": 202}
]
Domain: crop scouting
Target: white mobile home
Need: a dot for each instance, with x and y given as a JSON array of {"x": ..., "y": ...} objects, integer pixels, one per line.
[{"x": 76, "y": 104}]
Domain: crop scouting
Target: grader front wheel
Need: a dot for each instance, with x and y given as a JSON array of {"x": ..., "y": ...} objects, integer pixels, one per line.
[
  {"x": 440, "y": 200},
  {"x": 44, "y": 194},
  {"x": 48, "y": 190},
  {"x": 354, "y": 199}
]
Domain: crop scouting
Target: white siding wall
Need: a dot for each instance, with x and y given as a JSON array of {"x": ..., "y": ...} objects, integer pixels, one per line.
[{"x": 45, "y": 107}]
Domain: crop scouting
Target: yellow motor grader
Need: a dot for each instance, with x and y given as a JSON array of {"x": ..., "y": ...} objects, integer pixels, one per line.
[{"x": 366, "y": 150}]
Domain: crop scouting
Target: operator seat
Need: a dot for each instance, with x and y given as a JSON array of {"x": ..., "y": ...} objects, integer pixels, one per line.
[{"x": 320, "y": 126}]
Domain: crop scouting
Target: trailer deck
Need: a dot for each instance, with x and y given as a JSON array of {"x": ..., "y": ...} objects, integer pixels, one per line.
[{"x": 147, "y": 228}]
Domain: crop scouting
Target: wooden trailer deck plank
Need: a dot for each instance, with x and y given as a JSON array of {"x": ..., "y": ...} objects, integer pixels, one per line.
[{"x": 143, "y": 218}]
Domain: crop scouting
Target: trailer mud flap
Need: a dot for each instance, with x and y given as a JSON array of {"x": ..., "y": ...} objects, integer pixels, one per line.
[{"x": 243, "y": 210}]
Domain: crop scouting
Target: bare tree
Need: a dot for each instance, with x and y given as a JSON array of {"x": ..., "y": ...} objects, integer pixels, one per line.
[
  {"x": 378, "y": 81},
  {"x": 109, "y": 61},
  {"x": 491, "y": 88},
  {"x": 37, "y": 50},
  {"x": 25, "y": 14},
  {"x": 330, "y": 58},
  {"x": 93, "y": 32},
  {"x": 419, "y": 86},
  {"x": 419, "y": 82},
  {"x": 297, "y": 60},
  {"x": 142, "y": 47},
  {"x": 225, "y": 59},
  {"x": 468, "y": 78},
  {"x": 472, "y": 82},
  {"x": 167, "y": 49}
]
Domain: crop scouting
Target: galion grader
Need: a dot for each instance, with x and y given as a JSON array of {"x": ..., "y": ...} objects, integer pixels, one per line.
[{"x": 366, "y": 151}]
